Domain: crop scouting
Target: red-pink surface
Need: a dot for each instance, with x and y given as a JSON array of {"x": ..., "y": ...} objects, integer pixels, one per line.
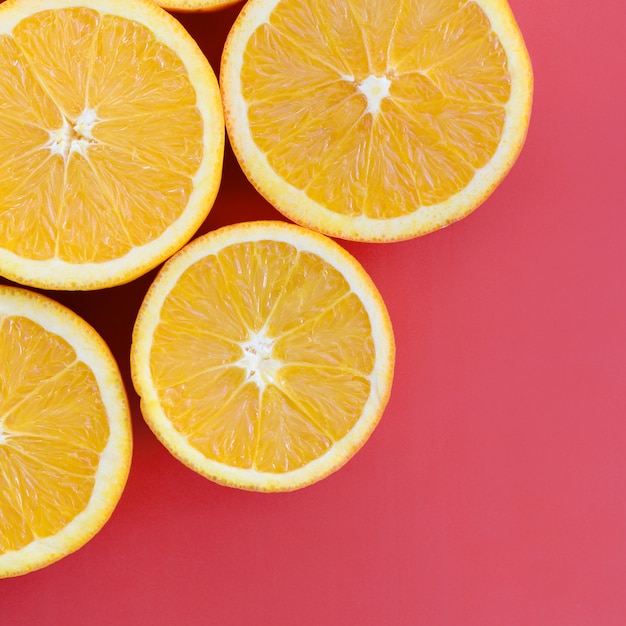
[{"x": 493, "y": 492}]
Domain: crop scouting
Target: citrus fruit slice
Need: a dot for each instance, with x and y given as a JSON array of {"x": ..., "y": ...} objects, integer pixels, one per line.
[
  {"x": 111, "y": 140},
  {"x": 193, "y": 6},
  {"x": 376, "y": 120},
  {"x": 65, "y": 435},
  {"x": 263, "y": 354}
]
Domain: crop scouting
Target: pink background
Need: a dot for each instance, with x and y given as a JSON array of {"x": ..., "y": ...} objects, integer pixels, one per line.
[{"x": 494, "y": 490}]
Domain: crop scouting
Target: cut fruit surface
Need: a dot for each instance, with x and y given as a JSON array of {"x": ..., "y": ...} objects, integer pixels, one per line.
[
  {"x": 263, "y": 355},
  {"x": 111, "y": 140},
  {"x": 65, "y": 435},
  {"x": 376, "y": 120}
]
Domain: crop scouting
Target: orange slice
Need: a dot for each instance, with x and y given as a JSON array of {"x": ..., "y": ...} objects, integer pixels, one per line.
[
  {"x": 65, "y": 435},
  {"x": 376, "y": 120},
  {"x": 196, "y": 6},
  {"x": 111, "y": 140},
  {"x": 263, "y": 355}
]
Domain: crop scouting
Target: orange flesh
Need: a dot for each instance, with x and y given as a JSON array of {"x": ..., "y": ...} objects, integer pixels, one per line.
[
  {"x": 99, "y": 140},
  {"x": 281, "y": 351},
  {"x": 405, "y": 100},
  {"x": 53, "y": 427}
]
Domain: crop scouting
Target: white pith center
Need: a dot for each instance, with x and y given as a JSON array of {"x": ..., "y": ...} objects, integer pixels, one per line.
[
  {"x": 261, "y": 367},
  {"x": 3, "y": 439},
  {"x": 375, "y": 89},
  {"x": 73, "y": 136}
]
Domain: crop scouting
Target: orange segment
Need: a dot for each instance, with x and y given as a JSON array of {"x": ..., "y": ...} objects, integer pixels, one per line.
[
  {"x": 65, "y": 439},
  {"x": 93, "y": 196},
  {"x": 111, "y": 120},
  {"x": 263, "y": 355},
  {"x": 289, "y": 438},
  {"x": 377, "y": 120},
  {"x": 123, "y": 83},
  {"x": 227, "y": 432},
  {"x": 327, "y": 339},
  {"x": 246, "y": 268},
  {"x": 312, "y": 287},
  {"x": 157, "y": 141},
  {"x": 40, "y": 182},
  {"x": 23, "y": 97},
  {"x": 332, "y": 399},
  {"x": 63, "y": 76}
]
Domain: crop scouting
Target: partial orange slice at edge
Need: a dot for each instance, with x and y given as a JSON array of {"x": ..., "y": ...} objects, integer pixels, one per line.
[
  {"x": 111, "y": 140},
  {"x": 65, "y": 433}
]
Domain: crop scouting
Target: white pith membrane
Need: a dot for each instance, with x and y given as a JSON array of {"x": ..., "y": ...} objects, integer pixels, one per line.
[
  {"x": 375, "y": 89},
  {"x": 73, "y": 136},
  {"x": 261, "y": 367}
]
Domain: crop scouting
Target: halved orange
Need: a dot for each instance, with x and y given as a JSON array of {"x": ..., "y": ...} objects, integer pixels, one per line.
[
  {"x": 196, "y": 6},
  {"x": 376, "y": 120},
  {"x": 65, "y": 434},
  {"x": 111, "y": 140},
  {"x": 263, "y": 354}
]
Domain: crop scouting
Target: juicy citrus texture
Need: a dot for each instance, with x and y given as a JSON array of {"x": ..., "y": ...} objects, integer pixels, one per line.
[
  {"x": 263, "y": 355},
  {"x": 111, "y": 140},
  {"x": 376, "y": 119},
  {"x": 65, "y": 440},
  {"x": 193, "y": 6}
]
